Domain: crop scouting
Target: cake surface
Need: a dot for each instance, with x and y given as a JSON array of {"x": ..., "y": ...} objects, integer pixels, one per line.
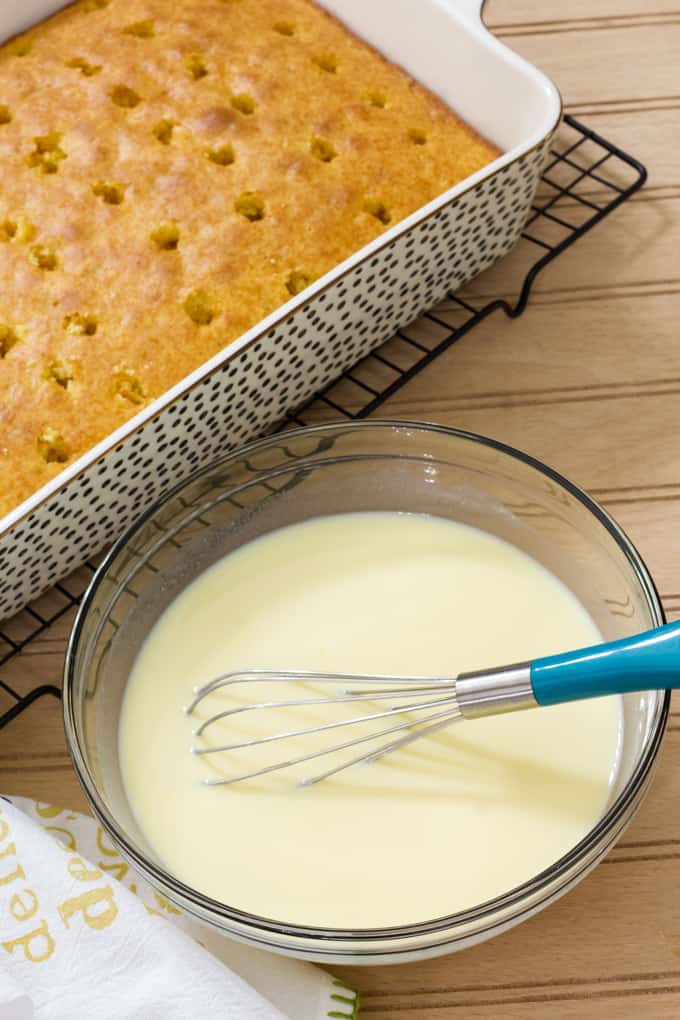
[{"x": 171, "y": 174}]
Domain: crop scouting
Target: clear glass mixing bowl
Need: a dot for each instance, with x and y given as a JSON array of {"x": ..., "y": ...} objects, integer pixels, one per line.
[{"x": 329, "y": 469}]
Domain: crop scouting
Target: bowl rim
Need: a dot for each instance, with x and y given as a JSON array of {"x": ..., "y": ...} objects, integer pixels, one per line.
[{"x": 557, "y": 875}]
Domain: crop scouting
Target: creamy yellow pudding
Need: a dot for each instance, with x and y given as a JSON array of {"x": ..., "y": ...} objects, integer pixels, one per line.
[{"x": 443, "y": 825}]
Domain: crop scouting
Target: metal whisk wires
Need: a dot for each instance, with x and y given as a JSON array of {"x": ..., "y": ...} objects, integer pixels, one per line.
[{"x": 418, "y": 706}]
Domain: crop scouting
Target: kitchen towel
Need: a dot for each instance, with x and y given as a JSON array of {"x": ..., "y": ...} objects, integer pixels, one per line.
[{"x": 83, "y": 936}]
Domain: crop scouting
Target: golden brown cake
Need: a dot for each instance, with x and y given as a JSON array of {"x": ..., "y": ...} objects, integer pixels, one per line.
[{"x": 171, "y": 173}]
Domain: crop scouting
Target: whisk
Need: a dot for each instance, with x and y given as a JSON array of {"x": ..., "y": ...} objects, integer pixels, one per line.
[{"x": 412, "y": 707}]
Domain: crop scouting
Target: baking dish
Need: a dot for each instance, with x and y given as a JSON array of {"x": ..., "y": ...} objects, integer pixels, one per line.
[
  {"x": 253, "y": 382},
  {"x": 366, "y": 466}
]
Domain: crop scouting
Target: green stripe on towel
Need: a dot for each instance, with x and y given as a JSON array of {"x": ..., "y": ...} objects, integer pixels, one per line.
[{"x": 348, "y": 998}]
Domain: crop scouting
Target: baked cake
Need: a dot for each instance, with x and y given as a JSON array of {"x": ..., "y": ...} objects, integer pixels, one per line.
[{"x": 173, "y": 172}]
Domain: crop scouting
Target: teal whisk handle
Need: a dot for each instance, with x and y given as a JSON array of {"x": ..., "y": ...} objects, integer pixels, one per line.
[
  {"x": 640, "y": 663},
  {"x": 643, "y": 662}
]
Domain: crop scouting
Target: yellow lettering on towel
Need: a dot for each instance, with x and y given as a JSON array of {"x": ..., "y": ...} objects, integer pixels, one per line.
[
  {"x": 79, "y": 870},
  {"x": 19, "y": 910},
  {"x": 48, "y": 810},
  {"x": 97, "y": 906},
  {"x": 65, "y": 838},
  {"x": 37, "y": 945},
  {"x": 165, "y": 904},
  {"x": 10, "y": 851},
  {"x": 118, "y": 869},
  {"x": 108, "y": 851}
]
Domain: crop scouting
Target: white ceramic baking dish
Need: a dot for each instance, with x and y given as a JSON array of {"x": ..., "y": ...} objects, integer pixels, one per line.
[{"x": 253, "y": 382}]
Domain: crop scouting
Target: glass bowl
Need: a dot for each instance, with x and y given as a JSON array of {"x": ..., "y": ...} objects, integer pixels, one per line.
[{"x": 329, "y": 469}]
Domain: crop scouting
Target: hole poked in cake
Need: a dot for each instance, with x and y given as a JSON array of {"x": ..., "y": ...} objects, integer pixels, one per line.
[
  {"x": 201, "y": 307},
  {"x": 95, "y": 5},
  {"x": 141, "y": 29},
  {"x": 196, "y": 66},
  {"x": 9, "y": 337},
  {"x": 59, "y": 372},
  {"x": 43, "y": 258},
  {"x": 163, "y": 130},
  {"x": 125, "y": 97},
  {"x": 166, "y": 237},
  {"x": 322, "y": 149},
  {"x": 223, "y": 155},
  {"x": 80, "y": 325},
  {"x": 111, "y": 194},
  {"x": 86, "y": 69},
  {"x": 26, "y": 231},
  {"x": 284, "y": 27},
  {"x": 20, "y": 47},
  {"x": 376, "y": 97},
  {"x": 243, "y": 103},
  {"x": 20, "y": 231},
  {"x": 417, "y": 136},
  {"x": 378, "y": 209},
  {"x": 328, "y": 62},
  {"x": 251, "y": 204},
  {"x": 126, "y": 386},
  {"x": 297, "y": 282},
  {"x": 52, "y": 446},
  {"x": 47, "y": 154},
  {"x": 5, "y": 115}
]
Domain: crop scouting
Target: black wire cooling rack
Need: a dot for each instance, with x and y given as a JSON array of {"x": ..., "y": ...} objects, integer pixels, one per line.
[{"x": 585, "y": 179}]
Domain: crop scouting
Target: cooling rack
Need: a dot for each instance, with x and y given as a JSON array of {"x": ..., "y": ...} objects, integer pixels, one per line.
[{"x": 585, "y": 179}]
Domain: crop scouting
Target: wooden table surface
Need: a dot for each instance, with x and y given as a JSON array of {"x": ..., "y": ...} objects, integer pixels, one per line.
[{"x": 587, "y": 379}]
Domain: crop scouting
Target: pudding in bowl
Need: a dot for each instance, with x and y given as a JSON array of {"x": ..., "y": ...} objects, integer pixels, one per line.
[
  {"x": 382, "y": 548},
  {"x": 372, "y": 846}
]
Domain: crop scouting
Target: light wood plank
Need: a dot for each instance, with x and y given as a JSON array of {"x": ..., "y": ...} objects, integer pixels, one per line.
[
  {"x": 498, "y": 13},
  {"x": 650, "y": 136},
  {"x": 574, "y": 438},
  {"x": 34, "y": 761},
  {"x": 42, "y": 661},
  {"x": 598, "y": 1004},
  {"x": 637, "y": 245},
  {"x": 650, "y": 524},
  {"x": 554, "y": 353},
  {"x": 610, "y": 65},
  {"x": 617, "y": 1009}
]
